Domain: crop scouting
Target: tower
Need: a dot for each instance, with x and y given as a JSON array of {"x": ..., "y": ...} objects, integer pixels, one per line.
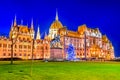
[{"x": 38, "y": 34}]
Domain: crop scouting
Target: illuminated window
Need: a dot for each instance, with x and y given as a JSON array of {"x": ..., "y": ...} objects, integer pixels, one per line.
[
  {"x": 41, "y": 48},
  {"x": 0, "y": 45},
  {"x": 29, "y": 47},
  {"x": 9, "y": 46},
  {"x": 15, "y": 46},
  {"x": 9, "y": 54},
  {"x": 27, "y": 39},
  {"x": 25, "y": 46},
  {"x": 4, "y": 54},
  {"x": 19, "y": 38},
  {"x": 24, "y": 54},
  {"x": 23, "y": 39},
  {"x": 4, "y": 45},
  {"x": 20, "y": 54},
  {"x": 15, "y": 54},
  {"x": 28, "y": 54},
  {"x": 20, "y": 46},
  {"x": 46, "y": 48}
]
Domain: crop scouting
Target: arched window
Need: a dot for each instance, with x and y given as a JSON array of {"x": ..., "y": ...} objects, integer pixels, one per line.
[
  {"x": 9, "y": 45},
  {"x": 28, "y": 39},
  {"x": 0, "y": 45},
  {"x": 15, "y": 54},
  {"x": 25, "y": 46},
  {"x": 23, "y": 39},
  {"x": 46, "y": 47},
  {"x": 20, "y": 54},
  {"x": 41, "y": 48},
  {"x": 9, "y": 54},
  {"x": 4, "y": 45},
  {"x": 80, "y": 54},
  {"x": 29, "y": 47},
  {"x": 28, "y": 54},
  {"x": 24, "y": 54},
  {"x": 19, "y": 38},
  {"x": 15, "y": 46},
  {"x": 4, "y": 54}
]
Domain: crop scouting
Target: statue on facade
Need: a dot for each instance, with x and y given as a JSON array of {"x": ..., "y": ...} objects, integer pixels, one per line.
[{"x": 54, "y": 42}]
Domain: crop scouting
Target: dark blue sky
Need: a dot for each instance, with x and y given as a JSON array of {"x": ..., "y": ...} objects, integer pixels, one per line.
[{"x": 104, "y": 14}]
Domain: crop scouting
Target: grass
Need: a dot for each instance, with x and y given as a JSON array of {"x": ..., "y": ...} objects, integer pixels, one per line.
[{"x": 21, "y": 70}]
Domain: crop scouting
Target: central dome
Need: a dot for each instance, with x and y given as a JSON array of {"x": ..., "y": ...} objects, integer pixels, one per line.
[{"x": 56, "y": 25}]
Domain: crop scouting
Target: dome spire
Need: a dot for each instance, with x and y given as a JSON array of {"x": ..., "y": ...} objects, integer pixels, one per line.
[
  {"x": 38, "y": 34},
  {"x": 56, "y": 18}
]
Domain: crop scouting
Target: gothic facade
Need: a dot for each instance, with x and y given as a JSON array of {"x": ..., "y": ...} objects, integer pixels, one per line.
[
  {"x": 24, "y": 44},
  {"x": 88, "y": 42}
]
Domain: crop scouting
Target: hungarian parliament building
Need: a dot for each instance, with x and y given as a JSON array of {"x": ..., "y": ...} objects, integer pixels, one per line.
[{"x": 22, "y": 43}]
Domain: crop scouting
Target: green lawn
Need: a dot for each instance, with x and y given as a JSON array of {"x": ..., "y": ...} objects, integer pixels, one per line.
[{"x": 21, "y": 70}]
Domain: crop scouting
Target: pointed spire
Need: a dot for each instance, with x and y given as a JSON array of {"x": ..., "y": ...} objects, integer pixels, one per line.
[
  {"x": 27, "y": 24},
  {"x": 56, "y": 18},
  {"x": 38, "y": 34},
  {"x": 45, "y": 34},
  {"x": 12, "y": 26},
  {"x": 21, "y": 22},
  {"x": 45, "y": 37},
  {"x": 32, "y": 25},
  {"x": 15, "y": 21}
]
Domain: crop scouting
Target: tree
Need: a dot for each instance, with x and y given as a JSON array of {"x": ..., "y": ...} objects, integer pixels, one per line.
[{"x": 71, "y": 53}]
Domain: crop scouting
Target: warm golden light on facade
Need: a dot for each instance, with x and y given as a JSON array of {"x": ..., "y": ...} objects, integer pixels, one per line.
[{"x": 97, "y": 45}]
